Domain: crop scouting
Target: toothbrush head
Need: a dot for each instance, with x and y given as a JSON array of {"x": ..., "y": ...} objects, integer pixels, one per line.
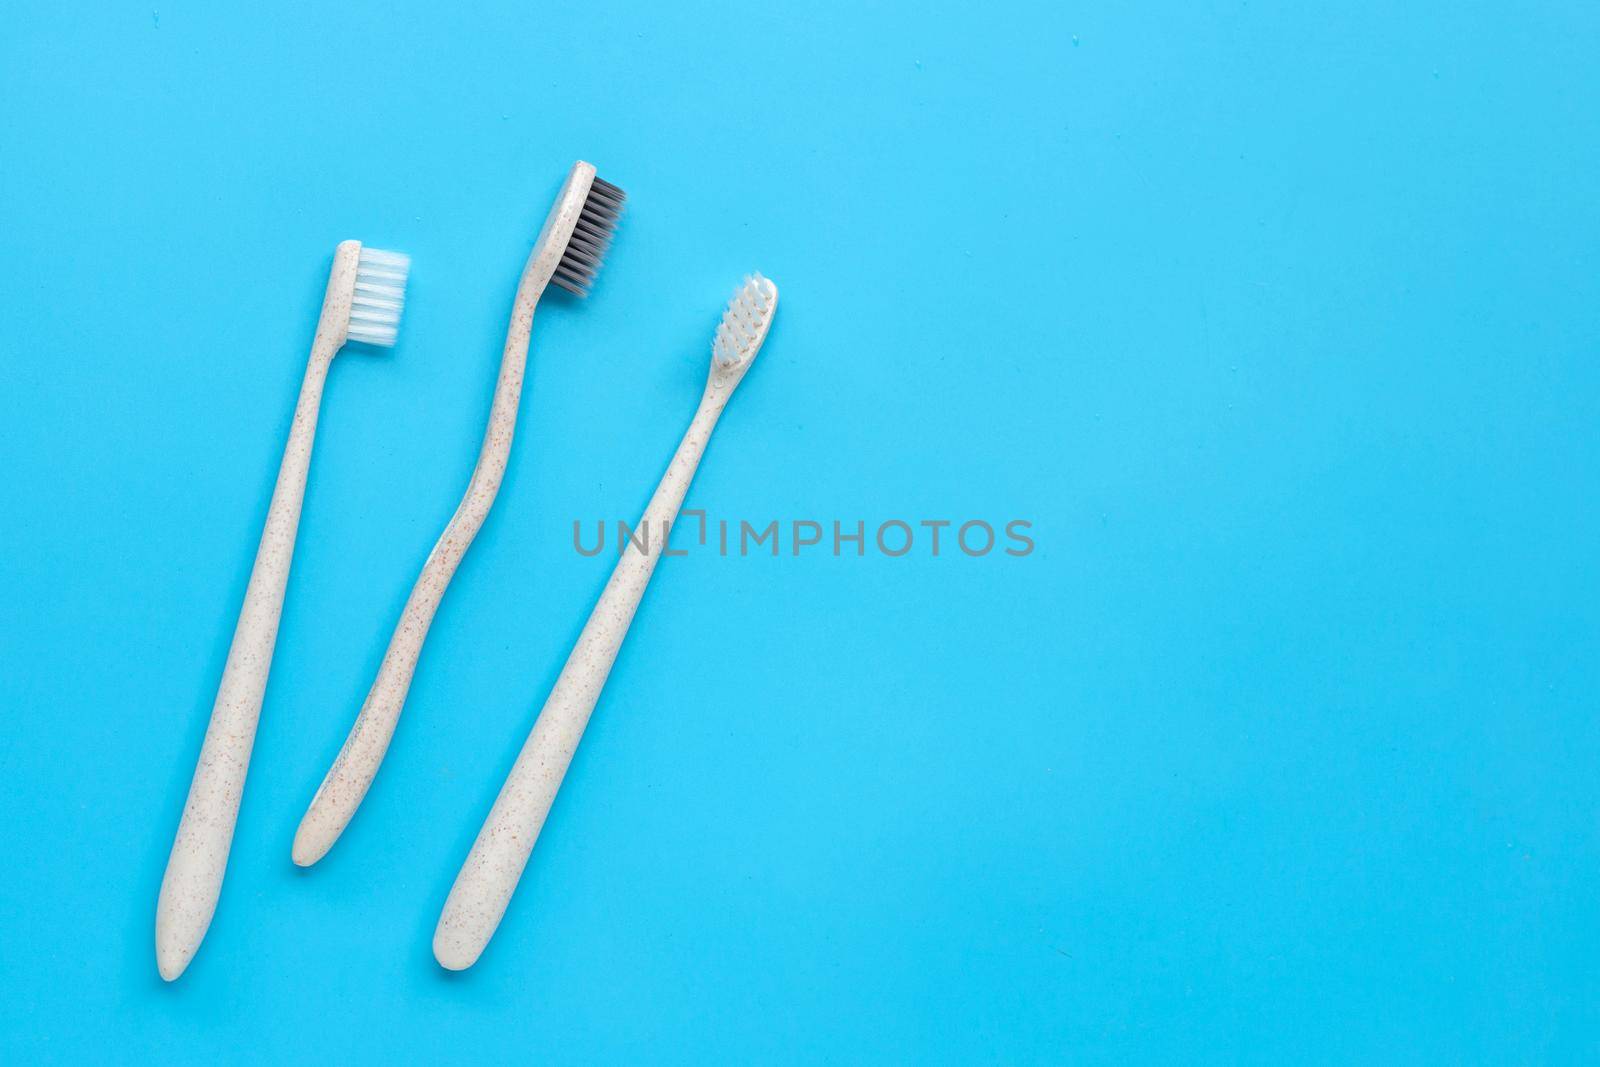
[
  {"x": 591, "y": 235},
  {"x": 380, "y": 294},
  {"x": 745, "y": 324}
]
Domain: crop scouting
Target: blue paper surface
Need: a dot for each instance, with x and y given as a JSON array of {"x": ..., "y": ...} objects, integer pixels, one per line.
[{"x": 1278, "y": 324}]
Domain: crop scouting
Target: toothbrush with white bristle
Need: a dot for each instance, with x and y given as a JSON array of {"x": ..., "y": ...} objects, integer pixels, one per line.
[
  {"x": 366, "y": 291},
  {"x": 482, "y": 890},
  {"x": 567, "y": 253}
]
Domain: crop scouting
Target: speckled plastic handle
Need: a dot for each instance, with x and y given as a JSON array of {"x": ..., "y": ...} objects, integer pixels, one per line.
[
  {"x": 193, "y": 880},
  {"x": 356, "y": 766},
  {"x": 482, "y": 890}
]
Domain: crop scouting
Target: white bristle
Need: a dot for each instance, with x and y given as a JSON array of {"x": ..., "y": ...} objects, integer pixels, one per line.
[
  {"x": 744, "y": 324},
  {"x": 380, "y": 295}
]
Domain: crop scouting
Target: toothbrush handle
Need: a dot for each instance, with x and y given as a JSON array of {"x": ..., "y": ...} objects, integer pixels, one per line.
[
  {"x": 487, "y": 879},
  {"x": 356, "y": 765},
  {"x": 193, "y": 878}
]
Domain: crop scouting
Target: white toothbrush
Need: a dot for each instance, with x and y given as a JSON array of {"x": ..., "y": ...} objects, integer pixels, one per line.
[
  {"x": 484, "y": 887},
  {"x": 568, "y": 252},
  {"x": 366, "y": 290}
]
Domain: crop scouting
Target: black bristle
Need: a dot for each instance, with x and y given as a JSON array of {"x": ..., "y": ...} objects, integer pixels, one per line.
[{"x": 586, "y": 248}]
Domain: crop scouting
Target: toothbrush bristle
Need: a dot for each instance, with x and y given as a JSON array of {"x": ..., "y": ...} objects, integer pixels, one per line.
[
  {"x": 744, "y": 324},
  {"x": 586, "y": 249},
  {"x": 380, "y": 295}
]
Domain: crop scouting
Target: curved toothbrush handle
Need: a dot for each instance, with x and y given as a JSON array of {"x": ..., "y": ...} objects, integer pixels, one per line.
[
  {"x": 345, "y": 785},
  {"x": 193, "y": 879},
  {"x": 356, "y": 765},
  {"x": 487, "y": 879}
]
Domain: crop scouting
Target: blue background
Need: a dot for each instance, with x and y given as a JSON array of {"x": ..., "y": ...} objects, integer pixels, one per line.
[{"x": 1280, "y": 325}]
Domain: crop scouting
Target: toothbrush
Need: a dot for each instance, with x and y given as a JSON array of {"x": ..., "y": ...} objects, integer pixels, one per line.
[
  {"x": 366, "y": 290},
  {"x": 487, "y": 879},
  {"x": 567, "y": 253}
]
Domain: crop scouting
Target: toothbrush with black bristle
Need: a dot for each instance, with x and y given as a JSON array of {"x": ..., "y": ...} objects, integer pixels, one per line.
[
  {"x": 482, "y": 890},
  {"x": 568, "y": 253},
  {"x": 366, "y": 291}
]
